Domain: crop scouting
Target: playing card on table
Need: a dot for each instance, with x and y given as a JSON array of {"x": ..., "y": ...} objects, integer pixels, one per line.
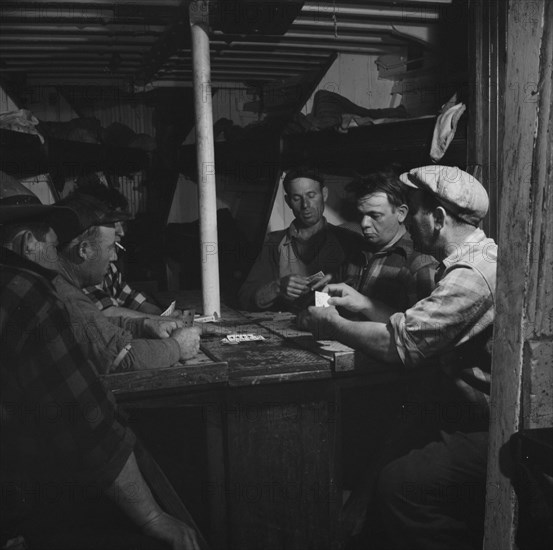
[{"x": 239, "y": 338}]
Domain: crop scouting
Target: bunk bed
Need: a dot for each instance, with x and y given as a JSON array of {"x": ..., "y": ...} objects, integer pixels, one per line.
[
  {"x": 24, "y": 155},
  {"x": 359, "y": 150},
  {"x": 364, "y": 148}
]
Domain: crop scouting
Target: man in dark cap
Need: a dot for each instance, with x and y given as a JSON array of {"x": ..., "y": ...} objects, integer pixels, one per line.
[
  {"x": 114, "y": 296},
  {"x": 429, "y": 488},
  {"x": 63, "y": 442},
  {"x": 86, "y": 248},
  {"x": 289, "y": 259}
]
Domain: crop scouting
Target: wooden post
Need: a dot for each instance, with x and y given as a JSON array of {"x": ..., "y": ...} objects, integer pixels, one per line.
[
  {"x": 487, "y": 58},
  {"x": 523, "y": 334},
  {"x": 199, "y": 21}
]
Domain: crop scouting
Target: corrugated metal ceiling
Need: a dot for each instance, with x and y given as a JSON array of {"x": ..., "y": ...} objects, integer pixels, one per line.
[{"x": 136, "y": 42}]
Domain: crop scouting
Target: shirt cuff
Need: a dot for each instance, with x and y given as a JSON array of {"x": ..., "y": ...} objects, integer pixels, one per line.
[{"x": 406, "y": 349}]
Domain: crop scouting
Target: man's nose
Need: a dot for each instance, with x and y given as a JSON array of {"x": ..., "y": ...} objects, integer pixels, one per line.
[
  {"x": 119, "y": 229},
  {"x": 365, "y": 221}
]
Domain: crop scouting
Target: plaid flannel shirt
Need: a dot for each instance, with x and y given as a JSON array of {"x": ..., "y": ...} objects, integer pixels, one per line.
[
  {"x": 113, "y": 291},
  {"x": 397, "y": 276},
  {"x": 57, "y": 418},
  {"x": 455, "y": 322}
]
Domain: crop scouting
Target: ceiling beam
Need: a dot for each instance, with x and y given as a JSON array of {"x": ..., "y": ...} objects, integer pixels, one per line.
[
  {"x": 66, "y": 48},
  {"x": 59, "y": 56},
  {"x": 25, "y": 65},
  {"x": 351, "y": 25},
  {"x": 77, "y": 39},
  {"x": 86, "y": 4},
  {"x": 66, "y": 28},
  {"x": 230, "y": 50},
  {"x": 425, "y": 12}
]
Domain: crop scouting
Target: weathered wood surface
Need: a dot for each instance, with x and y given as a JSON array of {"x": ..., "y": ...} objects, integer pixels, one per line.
[
  {"x": 524, "y": 298},
  {"x": 487, "y": 57},
  {"x": 274, "y": 359},
  {"x": 283, "y": 487},
  {"x": 343, "y": 358},
  {"x": 198, "y": 372}
]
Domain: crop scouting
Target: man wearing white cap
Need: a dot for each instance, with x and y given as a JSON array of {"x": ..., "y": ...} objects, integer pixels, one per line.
[{"x": 428, "y": 492}]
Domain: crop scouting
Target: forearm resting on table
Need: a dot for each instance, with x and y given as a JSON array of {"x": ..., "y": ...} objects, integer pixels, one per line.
[
  {"x": 116, "y": 311},
  {"x": 374, "y": 339},
  {"x": 145, "y": 354}
]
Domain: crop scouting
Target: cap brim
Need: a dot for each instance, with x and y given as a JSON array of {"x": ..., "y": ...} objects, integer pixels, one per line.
[
  {"x": 407, "y": 179},
  {"x": 115, "y": 216},
  {"x": 18, "y": 212}
]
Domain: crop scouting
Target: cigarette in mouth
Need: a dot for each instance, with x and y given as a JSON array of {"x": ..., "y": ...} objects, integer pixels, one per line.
[{"x": 121, "y": 247}]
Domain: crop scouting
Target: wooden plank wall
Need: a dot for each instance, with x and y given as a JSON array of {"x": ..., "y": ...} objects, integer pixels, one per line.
[
  {"x": 523, "y": 339},
  {"x": 487, "y": 54}
]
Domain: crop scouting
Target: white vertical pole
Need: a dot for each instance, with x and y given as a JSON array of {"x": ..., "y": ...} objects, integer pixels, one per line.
[{"x": 199, "y": 22}]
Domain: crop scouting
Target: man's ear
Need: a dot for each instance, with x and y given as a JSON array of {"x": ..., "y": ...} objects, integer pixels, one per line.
[
  {"x": 402, "y": 211},
  {"x": 439, "y": 217},
  {"x": 324, "y": 191},
  {"x": 84, "y": 250}
]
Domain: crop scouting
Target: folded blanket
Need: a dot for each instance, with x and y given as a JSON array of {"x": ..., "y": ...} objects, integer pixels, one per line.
[{"x": 445, "y": 127}]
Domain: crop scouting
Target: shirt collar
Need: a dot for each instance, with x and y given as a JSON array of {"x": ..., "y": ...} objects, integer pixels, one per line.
[
  {"x": 293, "y": 233},
  {"x": 11, "y": 258},
  {"x": 465, "y": 249},
  {"x": 400, "y": 243}
]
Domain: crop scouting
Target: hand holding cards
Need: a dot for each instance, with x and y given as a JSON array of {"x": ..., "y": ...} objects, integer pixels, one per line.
[{"x": 318, "y": 280}]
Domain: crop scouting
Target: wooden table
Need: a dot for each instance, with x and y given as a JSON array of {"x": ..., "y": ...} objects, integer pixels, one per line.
[{"x": 272, "y": 412}]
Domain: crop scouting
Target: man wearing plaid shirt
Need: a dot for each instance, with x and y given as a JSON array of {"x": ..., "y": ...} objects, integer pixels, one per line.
[
  {"x": 387, "y": 268},
  {"x": 428, "y": 489},
  {"x": 63, "y": 441}
]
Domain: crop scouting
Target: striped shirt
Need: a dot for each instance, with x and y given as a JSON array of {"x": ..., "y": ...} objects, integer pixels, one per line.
[
  {"x": 455, "y": 322},
  {"x": 113, "y": 291},
  {"x": 397, "y": 275}
]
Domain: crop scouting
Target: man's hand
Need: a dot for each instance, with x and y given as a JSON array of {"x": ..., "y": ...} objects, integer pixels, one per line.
[
  {"x": 173, "y": 531},
  {"x": 320, "y": 321},
  {"x": 160, "y": 327},
  {"x": 344, "y": 296},
  {"x": 188, "y": 340},
  {"x": 323, "y": 282},
  {"x": 293, "y": 286}
]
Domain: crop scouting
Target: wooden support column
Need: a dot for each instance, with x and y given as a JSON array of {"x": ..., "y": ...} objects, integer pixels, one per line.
[
  {"x": 199, "y": 22},
  {"x": 487, "y": 58},
  {"x": 523, "y": 335}
]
